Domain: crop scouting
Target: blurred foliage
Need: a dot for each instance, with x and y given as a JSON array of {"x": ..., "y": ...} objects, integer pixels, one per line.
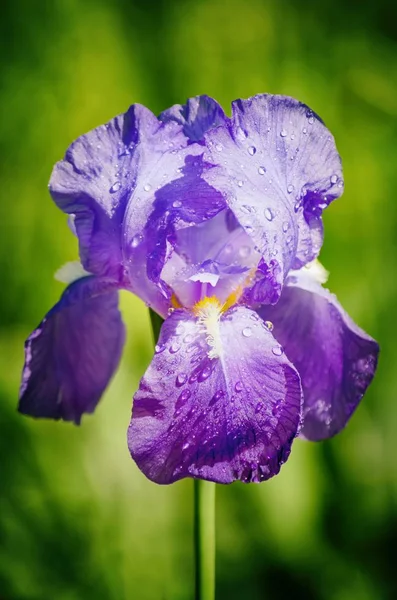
[{"x": 77, "y": 518}]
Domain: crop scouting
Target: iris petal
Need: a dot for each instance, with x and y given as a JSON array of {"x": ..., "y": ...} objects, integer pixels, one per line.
[
  {"x": 219, "y": 401},
  {"x": 110, "y": 181},
  {"x": 73, "y": 353},
  {"x": 335, "y": 358},
  {"x": 278, "y": 168},
  {"x": 197, "y": 116}
]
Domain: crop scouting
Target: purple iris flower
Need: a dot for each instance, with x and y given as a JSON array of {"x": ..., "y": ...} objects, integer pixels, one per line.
[{"x": 215, "y": 222}]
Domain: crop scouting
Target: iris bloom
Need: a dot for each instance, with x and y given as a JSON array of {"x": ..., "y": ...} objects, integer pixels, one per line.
[{"x": 215, "y": 223}]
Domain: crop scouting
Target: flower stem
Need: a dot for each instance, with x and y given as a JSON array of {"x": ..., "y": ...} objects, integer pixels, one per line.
[
  {"x": 204, "y": 538},
  {"x": 156, "y": 322},
  {"x": 204, "y": 517}
]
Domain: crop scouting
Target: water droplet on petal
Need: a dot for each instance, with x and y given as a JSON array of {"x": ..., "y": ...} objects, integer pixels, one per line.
[
  {"x": 304, "y": 130},
  {"x": 246, "y": 208},
  {"x": 239, "y": 386},
  {"x": 177, "y": 204},
  {"x": 251, "y": 150},
  {"x": 136, "y": 240},
  {"x": 219, "y": 394},
  {"x": 174, "y": 347},
  {"x": 181, "y": 379},
  {"x": 283, "y": 133},
  {"x": 185, "y": 395},
  {"x": 188, "y": 338},
  {"x": 219, "y": 147},
  {"x": 240, "y": 183},
  {"x": 261, "y": 170},
  {"x": 159, "y": 348},
  {"x": 205, "y": 373},
  {"x": 115, "y": 187},
  {"x": 285, "y": 226},
  {"x": 269, "y": 325},
  {"x": 247, "y": 332},
  {"x": 147, "y": 187},
  {"x": 277, "y": 350},
  {"x": 290, "y": 188},
  {"x": 244, "y": 251},
  {"x": 297, "y": 206},
  {"x": 334, "y": 178},
  {"x": 268, "y": 214}
]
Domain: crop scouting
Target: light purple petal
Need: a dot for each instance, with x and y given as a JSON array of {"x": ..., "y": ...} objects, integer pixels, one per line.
[
  {"x": 221, "y": 403},
  {"x": 110, "y": 182},
  {"x": 197, "y": 116},
  {"x": 73, "y": 353},
  {"x": 278, "y": 168},
  {"x": 335, "y": 358}
]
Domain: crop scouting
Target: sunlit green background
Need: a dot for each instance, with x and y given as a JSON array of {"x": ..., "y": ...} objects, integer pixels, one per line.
[{"x": 77, "y": 518}]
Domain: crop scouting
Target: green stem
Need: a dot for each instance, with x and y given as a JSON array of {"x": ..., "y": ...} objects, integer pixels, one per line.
[
  {"x": 156, "y": 322},
  {"x": 204, "y": 517},
  {"x": 204, "y": 538}
]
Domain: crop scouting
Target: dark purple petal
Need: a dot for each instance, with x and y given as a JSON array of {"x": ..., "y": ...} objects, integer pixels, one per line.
[
  {"x": 278, "y": 168},
  {"x": 335, "y": 358},
  {"x": 220, "y": 401},
  {"x": 73, "y": 353},
  {"x": 265, "y": 287},
  {"x": 154, "y": 216},
  {"x": 197, "y": 116}
]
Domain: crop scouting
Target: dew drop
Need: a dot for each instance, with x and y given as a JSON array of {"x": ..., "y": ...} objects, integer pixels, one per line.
[
  {"x": 251, "y": 150},
  {"x": 334, "y": 178},
  {"x": 247, "y": 332},
  {"x": 246, "y": 208},
  {"x": 304, "y": 130},
  {"x": 147, "y": 187},
  {"x": 177, "y": 204},
  {"x": 159, "y": 348},
  {"x": 185, "y": 395},
  {"x": 205, "y": 373},
  {"x": 290, "y": 188},
  {"x": 240, "y": 183},
  {"x": 244, "y": 251},
  {"x": 268, "y": 214},
  {"x": 269, "y": 325},
  {"x": 188, "y": 338},
  {"x": 181, "y": 379},
  {"x": 219, "y": 147},
  {"x": 115, "y": 187},
  {"x": 283, "y": 133},
  {"x": 174, "y": 348},
  {"x": 239, "y": 386},
  {"x": 277, "y": 350},
  {"x": 292, "y": 136},
  {"x": 136, "y": 240},
  {"x": 285, "y": 226},
  {"x": 261, "y": 170},
  {"x": 219, "y": 394},
  {"x": 297, "y": 206}
]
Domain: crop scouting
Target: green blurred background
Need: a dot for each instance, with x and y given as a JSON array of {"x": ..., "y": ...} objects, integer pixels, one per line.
[{"x": 77, "y": 518}]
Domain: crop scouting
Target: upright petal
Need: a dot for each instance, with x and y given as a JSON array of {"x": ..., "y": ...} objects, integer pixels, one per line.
[
  {"x": 197, "y": 116},
  {"x": 335, "y": 358},
  {"x": 219, "y": 401},
  {"x": 278, "y": 168},
  {"x": 110, "y": 183},
  {"x": 73, "y": 353}
]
